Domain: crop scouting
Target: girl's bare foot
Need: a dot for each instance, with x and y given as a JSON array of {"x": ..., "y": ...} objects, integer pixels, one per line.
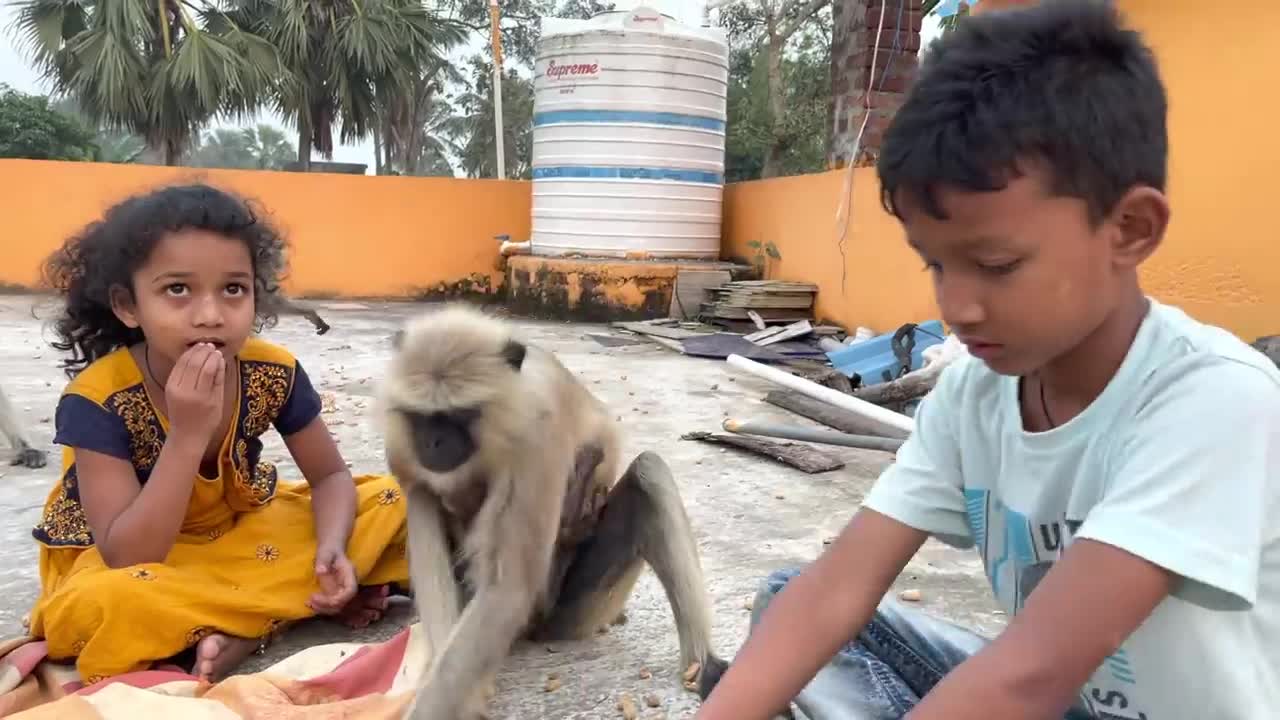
[
  {"x": 366, "y": 607},
  {"x": 218, "y": 654}
]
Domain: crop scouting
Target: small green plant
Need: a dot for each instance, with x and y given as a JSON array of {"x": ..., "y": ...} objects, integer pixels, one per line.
[{"x": 764, "y": 252}]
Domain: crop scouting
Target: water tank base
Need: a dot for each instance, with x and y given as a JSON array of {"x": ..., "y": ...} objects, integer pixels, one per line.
[{"x": 599, "y": 289}]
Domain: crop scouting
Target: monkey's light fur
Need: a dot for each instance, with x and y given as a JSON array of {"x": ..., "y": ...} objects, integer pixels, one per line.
[{"x": 526, "y": 498}]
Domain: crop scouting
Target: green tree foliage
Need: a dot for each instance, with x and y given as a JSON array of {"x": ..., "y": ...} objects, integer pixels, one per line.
[
  {"x": 111, "y": 146},
  {"x": 30, "y": 128},
  {"x": 519, "y": 21},
  {"x": 339, "y": 57},
  {"x": 160, "y": 69},
  {"x": 412, "y": 137},
  {"x": 779, "y": 113},
  {"x": 262, "y": 147},
  {"x": 472, "y": 128}
]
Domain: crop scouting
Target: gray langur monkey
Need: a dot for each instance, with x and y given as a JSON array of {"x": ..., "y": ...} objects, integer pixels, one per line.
[
  {"x": 11, "y": 427},
  {"x": 510, "y": 469},
  {"x": 288, "y": 306}
]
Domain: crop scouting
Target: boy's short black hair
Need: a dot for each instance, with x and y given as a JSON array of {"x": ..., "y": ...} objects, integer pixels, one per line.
[{"x": 1061, "y": 82}]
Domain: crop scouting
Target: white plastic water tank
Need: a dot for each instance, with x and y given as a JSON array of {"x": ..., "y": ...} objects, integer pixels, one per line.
[{"x": 629, "y": 137}]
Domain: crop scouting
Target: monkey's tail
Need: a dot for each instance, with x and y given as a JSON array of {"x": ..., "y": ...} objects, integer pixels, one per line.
[{"x": 668, "y": 546}]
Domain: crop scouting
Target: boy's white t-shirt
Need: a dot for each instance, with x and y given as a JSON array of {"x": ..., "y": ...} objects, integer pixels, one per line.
[{"x": 1177, "y": 461}]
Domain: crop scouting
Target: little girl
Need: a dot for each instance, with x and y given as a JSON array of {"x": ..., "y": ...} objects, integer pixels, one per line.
[{"x": 167, "y": 530}]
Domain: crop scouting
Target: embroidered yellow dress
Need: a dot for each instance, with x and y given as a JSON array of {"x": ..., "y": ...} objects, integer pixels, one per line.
[{"x": 244, "y": 561}]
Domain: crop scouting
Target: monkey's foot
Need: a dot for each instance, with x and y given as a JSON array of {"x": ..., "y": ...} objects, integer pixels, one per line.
[
  {"x": 365, "y": 608},
  {"x": 30, "y": 457},
  {"x": 218, "y": 654}
]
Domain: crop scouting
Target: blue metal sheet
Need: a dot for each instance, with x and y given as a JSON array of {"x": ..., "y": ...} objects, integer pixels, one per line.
[{"x": 869, "y": 358}]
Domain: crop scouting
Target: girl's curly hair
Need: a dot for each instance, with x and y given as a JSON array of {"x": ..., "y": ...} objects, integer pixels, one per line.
[{"x": 107, "y": 252}]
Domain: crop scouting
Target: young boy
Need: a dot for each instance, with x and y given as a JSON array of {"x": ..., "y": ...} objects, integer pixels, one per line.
[{"x": 1115, "y": 462}]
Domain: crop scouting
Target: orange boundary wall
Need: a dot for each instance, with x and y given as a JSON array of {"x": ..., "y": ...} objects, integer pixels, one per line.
[
  {"x": 352, "y": 236},
  {"x": 359, "y": 236},
  {"x": 1221, "y": 257}
]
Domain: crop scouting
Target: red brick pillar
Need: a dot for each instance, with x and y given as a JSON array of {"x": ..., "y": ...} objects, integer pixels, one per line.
[{"x": 852, "y": 46}]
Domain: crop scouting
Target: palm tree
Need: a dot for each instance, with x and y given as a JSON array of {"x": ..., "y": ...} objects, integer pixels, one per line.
[
  {"x": 474, "y": 131},
  {"x": 429, "y": 146},
  {"x": 339, "y": 56},
  {"x": 160, "y": 69},
  {"x": 413, "y": 124},
  {"x": 269, "y": 146},
  {"x": 261, "y": 147},
  {"x": 113, "y": 146}
]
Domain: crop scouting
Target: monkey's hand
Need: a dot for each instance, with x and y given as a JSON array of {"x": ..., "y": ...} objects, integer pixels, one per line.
[{"x": 337, "y": 579}]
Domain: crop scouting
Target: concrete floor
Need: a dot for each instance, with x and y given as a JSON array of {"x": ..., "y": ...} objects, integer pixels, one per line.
[{"x": 751, "y": 514}]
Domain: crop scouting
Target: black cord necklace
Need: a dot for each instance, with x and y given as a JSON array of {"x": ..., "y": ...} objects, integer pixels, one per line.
[
  {"x": 146, "y": 359},
  {"x": 1044, "y": 404}
]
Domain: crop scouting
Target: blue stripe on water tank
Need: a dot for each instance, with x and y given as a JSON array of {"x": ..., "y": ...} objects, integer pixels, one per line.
[
  {"x": 626, "y": 116},
  {"x": 626, "y": 173}
]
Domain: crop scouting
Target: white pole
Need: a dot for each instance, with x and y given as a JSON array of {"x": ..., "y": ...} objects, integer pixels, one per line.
[
  {"x": 497, "y": 88},
  {"x": 871, "y": 411}
]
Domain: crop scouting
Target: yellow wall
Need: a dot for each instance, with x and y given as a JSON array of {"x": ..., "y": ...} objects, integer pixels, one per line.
[
  {"x": 352, "y": 236},
  {"x": 1221, "y": 257}
]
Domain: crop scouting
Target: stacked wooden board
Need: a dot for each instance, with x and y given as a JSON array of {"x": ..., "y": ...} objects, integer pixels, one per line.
[{"x": 772, "y": 300}]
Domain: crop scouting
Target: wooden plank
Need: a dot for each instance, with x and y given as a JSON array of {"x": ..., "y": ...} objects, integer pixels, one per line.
[
  {"x": 772, "y": 285},
  {"x": 828, "y": 415},
  {"x": 692, "y": 287},
  {"x": 788, "y": 332},
  {"x": 797, "y": 455},
  {"x": 662, "y": 331},
  {"x": 769, "y": 315},
  {"x": 763, "y": 333}
]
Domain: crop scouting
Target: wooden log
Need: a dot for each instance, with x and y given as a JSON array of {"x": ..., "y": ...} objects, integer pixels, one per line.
[
  {"x": 828, "y": 377},
  {"x": 797, "y": 455},
  {"x": 908, "y": 387},
  {"x": 819, "y": 435},
  {"x": 830, "y": 415}
]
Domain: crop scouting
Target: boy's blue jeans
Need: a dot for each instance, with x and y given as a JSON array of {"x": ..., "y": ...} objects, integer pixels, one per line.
[{"x": 880, "y": 675}]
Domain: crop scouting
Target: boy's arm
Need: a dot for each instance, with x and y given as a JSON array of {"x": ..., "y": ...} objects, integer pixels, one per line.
[
  {"x": 824, "y": 607},
  {"x": 1182, "y": 514},
  {"x": 815, "y": 614},
  {"x": 1092, "y": 599}
]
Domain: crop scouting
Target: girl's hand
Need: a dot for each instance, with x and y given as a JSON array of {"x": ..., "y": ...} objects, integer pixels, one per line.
[
  {"x": 195, "y": 391},
  {"x": 337, "y": 580}
]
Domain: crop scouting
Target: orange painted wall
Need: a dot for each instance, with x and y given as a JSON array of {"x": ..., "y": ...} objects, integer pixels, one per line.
[
  {"x": 353, "y": 236},
  {"x": 875, "y": 280},
  {"x": 1221, "y": 255}
]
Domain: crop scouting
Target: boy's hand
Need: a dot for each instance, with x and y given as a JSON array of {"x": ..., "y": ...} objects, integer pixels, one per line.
[
  {"x": 1094, "y": 597},
  {"x": 817, "y": 612},
  {"x": 337, "y": 580}
]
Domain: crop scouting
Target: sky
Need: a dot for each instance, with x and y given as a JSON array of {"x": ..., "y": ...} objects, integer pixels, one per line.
[{"x": 15, "y": 71}]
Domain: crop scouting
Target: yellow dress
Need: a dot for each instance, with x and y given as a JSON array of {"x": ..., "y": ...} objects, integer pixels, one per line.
[{"x": 244, "y": 561}]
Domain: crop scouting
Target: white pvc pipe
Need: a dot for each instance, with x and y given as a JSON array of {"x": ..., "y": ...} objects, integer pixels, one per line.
[
  {"x": 514, "y": 248},
  {"x": 868, "y": 410}
]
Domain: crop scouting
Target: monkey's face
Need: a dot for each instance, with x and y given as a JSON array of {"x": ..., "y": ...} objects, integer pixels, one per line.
[
  {"x": 442, "y": 441},
  {"x": 451, "y": 396}
]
